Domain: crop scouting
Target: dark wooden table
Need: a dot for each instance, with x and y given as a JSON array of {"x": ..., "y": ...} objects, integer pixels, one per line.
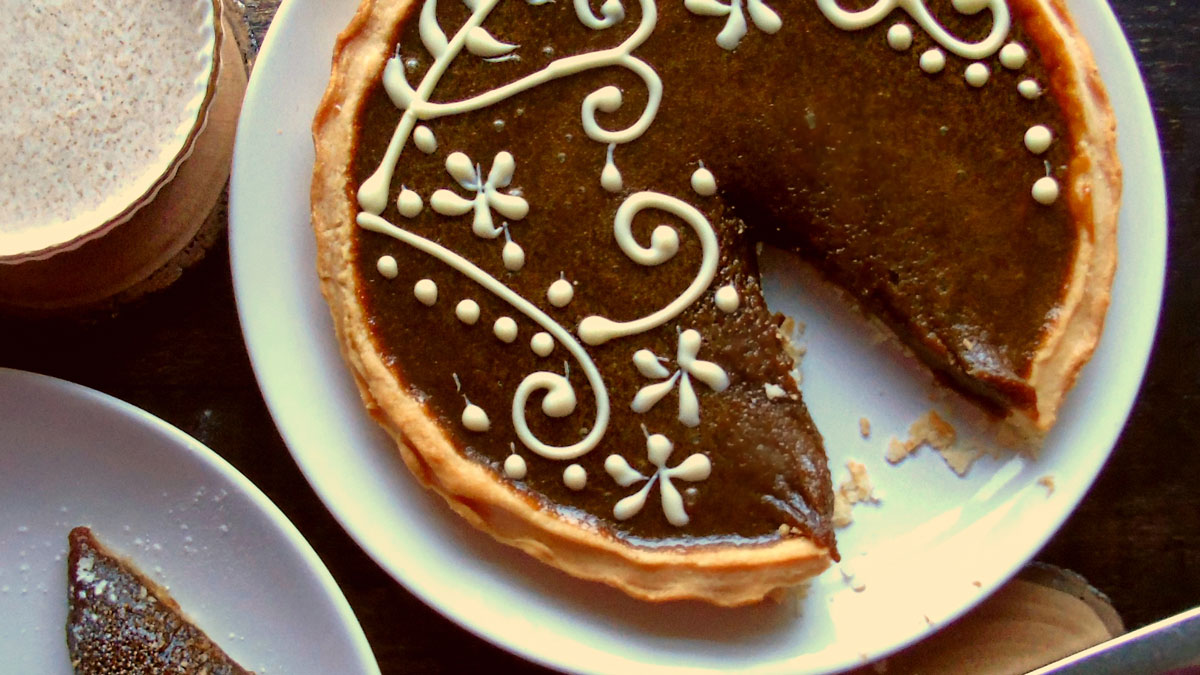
[{"x": 179, "y": 355}]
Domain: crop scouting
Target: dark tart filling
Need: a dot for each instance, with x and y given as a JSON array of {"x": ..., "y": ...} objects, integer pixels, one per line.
[{"x": 911, "y": 190}]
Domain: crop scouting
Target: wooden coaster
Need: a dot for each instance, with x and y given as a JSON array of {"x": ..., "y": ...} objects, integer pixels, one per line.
[
  {"x": 1043, "y": 615},
  {"x": 150, "y": 250}
]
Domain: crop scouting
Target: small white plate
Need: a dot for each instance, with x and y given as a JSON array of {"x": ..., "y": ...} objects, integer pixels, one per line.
[
  {"x": 73, "y": 456},
  {"x": 936, "y": 547}
]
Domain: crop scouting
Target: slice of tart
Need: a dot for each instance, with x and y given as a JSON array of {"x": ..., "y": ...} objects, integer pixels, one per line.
[
  {"x": 536, "y": 227},
  {"x": 119, "y": 621}
]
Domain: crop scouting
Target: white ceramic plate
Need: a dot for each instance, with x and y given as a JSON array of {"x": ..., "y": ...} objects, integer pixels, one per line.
[
  {"x": 73, "y": 456},
  {"x": 936, "y": 547}
]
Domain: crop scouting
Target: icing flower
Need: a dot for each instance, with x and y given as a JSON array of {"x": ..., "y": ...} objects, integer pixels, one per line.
[
  {"x": 649, "y": 365},
  {"x": 735, "y": 26},
  {"x": 696, "y": 467},
  {"x": 487, "y": 194}
]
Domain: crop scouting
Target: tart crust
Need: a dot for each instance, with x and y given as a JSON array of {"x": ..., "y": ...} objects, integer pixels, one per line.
[
  {"x": 1093, "y": 197},
  {"x": 719, "y": 573}
]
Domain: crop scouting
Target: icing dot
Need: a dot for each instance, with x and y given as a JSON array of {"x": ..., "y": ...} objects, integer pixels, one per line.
[
  {"x": 575, "y": 477},
  {"x": 977, "y": 74},
  {"x": 475, "y": 419},
  {"x": 933, "y": 61},
  {"x": 542, "y": 344},
  {"x": 514, "y": 467},
  {"x": 424, "y": 139},
  {"x": 727, "y": 299},
  {"x": 467, "y": 311},
  {"x": 610, "y": 176},
  {"x": 409, "y": 203},
  {"x": 1030, "y": 89},
  {"x": 387, "y": 267},
  {"x": 1045, "y": 190},
  {"x": 560, "y": 293},
  {"x": 505, "y": 329},
  {"x": 513, "y": 256},
  {"x": 703, "y": 182},
  {"x": 1013, "y": 56},
  {"x": 899, "y": 37},
  {"x": 426, "y": 291},
  {"x": 1038, "y": 139}
]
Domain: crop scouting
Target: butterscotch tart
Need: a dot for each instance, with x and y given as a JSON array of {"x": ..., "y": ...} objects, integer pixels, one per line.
[
  {"x": 119, "y": 621},
  {"x": 537, "y": 227}
]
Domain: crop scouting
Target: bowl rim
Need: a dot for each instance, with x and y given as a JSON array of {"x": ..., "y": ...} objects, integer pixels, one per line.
[{"x": 210, "y": 51}]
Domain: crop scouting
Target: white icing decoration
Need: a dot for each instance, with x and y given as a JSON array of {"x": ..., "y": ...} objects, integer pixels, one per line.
[
  {"x": 467, "y": 311},
  {"x": 1013, "y": 56},
  {"x": 372, "y": 194},
  {"x": 1045, "y": 190},
  {"x": 575, "y": 477},
  {"x": 426, "y": 291},
  {"x": 933, "y": 61},
  {"x": 900, "y": 37},
  {"x": 664, "y": 243},
  {"x": 505, "y": 329},
  {"x": 969, "y": 7},
  {"x": 424, "y": 139},
  {"x": 696, "y": 467},
  {"x": 1038, "y": 139},
  {"x": 560, "y": 293},
  {"x": 432, "y": 35},
  {"x": 514, "y": 467},
  {"x": 703, "y": 181},
  {"x": 542, "y": 344},
  {"x": 481, "y": 43},
  {"x": 612, "y": 11},
  {"x": 727, "y": 299},
  {"x": 409, "y": 203},
  {"x": 650, "y": 365},
  {"x": 610, "y": 176},
  {"x": 487, "y": 195},
  {"x": 559, "y": 388},
  {"x": 513, "y": 256},
  {"x": 387, "y": 267},
  {"x": 689, "y": 366},
  {"x": 475, "y": 419},
  {"x": 1030, "y": 89},
  {"x": 858, "y": 20},
  {"x": 977, "y": 74},
  {"x": 735, "y": 28},
  {"x": 774, "y": 391}
]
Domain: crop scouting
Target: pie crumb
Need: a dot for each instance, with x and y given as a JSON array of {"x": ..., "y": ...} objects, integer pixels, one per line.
[
  {"x": 1048, "y": 483},
  {"x": 864, "y": 427},
  {"x": 841, "y": 511},
  {"x": 960, "y": 458},
  {"x": 930, "y": 429},
  {"x": 855, "y": 490}
]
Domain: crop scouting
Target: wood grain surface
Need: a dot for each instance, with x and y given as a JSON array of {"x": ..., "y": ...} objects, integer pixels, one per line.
[{"x": 179, "y": 355}]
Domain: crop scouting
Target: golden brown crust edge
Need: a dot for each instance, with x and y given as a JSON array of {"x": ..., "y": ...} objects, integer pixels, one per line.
[
  {"x": 721, "y": 574},
  {"x": 1094, "y": 195}
]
